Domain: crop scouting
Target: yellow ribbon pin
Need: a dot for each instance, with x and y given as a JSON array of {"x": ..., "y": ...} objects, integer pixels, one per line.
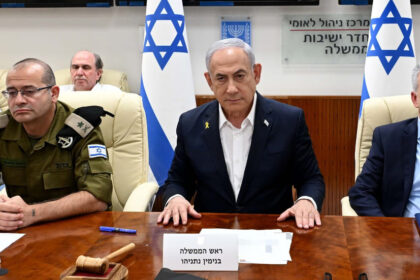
[{"x": 207, "y": 125}]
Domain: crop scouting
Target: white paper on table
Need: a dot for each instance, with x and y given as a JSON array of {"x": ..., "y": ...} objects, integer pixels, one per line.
[
  {"x": 260, "y": 246},
  {"x": 7, "y": 239}
]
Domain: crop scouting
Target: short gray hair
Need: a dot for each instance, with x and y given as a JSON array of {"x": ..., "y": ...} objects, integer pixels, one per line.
[
  {"x": 229, "y": 43},
  {"x": 414, "y": 76},
  {"x": 48, "y": 77}
]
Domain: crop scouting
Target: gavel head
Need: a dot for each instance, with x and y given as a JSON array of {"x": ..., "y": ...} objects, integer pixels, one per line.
[{"x": 93, "y": 265}]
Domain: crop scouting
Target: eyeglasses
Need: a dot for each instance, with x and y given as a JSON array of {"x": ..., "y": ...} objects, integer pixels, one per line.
[{"x": 26, "y": 91}]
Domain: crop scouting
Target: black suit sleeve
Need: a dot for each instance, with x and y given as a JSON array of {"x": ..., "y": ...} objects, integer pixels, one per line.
[
  {"x": 364, "y": 195},
  {"x": 180, "y": 176},
  {"x": 307, "y": 177}
]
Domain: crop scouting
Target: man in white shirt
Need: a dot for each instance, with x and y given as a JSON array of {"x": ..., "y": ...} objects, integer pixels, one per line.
[
  {"x": 86, "y": 72},
  {"x": 242, "y": 152}
]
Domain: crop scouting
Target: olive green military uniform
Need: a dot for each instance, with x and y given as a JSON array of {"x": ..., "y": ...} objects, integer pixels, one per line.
[{"x": 43, "y": 171}]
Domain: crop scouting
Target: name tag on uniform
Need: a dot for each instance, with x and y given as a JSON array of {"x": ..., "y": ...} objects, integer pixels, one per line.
[
  {"x": 97, "y": 150},
  {"x": 196, "y": 252}
]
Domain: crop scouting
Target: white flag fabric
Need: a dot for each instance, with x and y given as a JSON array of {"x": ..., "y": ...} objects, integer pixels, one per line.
[
  {"x": 166, "y": 80},
  {"x": 390, "y": 56}
]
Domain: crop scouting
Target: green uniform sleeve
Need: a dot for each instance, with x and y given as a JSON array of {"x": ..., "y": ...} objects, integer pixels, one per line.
[{"x": 93, "y": 174}]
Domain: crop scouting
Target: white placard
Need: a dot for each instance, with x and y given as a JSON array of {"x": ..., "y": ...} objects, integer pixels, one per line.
[{"x": 193, "y": 252}]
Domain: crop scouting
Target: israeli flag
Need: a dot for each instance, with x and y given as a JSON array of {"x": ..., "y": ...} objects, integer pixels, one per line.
[
  {"x": 166, "y": 80},
  {"x": 390, "y": 55}
]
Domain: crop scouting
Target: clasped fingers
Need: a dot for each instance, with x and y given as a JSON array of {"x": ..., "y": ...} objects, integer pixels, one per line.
[{"x": 10, "y": 221}]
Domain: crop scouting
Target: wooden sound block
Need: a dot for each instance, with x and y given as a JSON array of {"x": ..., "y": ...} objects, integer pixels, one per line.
[{"x": 115, "y": 271}]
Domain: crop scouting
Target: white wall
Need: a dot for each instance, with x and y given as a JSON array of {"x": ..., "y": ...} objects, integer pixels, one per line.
[{"x": 116, "y": 34}]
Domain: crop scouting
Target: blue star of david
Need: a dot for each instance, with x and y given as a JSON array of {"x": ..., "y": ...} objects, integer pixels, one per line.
[
  {"x": 405, "y": 48},
  {"x": 163, "y": 53}
]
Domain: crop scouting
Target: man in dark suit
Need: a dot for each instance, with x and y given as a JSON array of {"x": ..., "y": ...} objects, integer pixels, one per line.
[
  {"x": 389, "y": 184},
  {"x": 243, "y": 152}
]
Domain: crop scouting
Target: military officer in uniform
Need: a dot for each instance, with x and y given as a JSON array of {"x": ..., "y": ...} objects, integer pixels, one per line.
[{"x": 53, "y": 159}]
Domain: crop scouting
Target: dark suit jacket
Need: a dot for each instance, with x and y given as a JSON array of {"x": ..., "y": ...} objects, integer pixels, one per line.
[
  {"x": 384, "y": 185},
  {"x": 280, "y": 156}
]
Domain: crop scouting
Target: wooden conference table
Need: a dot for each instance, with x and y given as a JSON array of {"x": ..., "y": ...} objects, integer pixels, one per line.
[{"x": 384, "y": 248}]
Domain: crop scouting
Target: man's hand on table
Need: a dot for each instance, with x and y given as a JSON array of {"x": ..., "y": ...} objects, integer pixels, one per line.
[
  {"x": 305, "y": 214},
  {"x": 178, "y": 209}
]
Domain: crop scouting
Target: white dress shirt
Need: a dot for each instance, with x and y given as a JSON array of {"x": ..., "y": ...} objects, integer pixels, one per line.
[
  {"x": 97, "y": 87},
  {"x": 236, "y": 143}
]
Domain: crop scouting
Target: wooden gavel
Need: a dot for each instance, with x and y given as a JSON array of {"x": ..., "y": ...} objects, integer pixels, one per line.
[{"x": 100, "y": 265}]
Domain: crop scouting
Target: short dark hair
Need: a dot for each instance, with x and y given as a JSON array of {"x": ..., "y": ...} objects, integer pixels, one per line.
[
  {"x": 98, "y": 61},
  {"x": 98, "y": 64},
  {"x": 48, "y": 77}
]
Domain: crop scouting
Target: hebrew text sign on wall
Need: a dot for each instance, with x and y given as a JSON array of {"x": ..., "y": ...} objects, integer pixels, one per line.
[{"x": 325, "y": 39}]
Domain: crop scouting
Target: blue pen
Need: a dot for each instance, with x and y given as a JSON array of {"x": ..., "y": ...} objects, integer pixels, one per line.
[{"x": 115, "y": 229}]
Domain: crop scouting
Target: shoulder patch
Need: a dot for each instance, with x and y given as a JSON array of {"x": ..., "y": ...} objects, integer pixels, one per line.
[
  {"x": 97, "y": 150},
  {"x": 79, "y": 124},
  {"x": 4, "y": 120}
]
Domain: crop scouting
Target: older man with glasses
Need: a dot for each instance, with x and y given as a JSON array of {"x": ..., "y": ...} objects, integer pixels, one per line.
[{"x": 53, "y": 159}]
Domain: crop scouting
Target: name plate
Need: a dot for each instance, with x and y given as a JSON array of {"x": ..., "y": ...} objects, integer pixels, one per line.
[{"x": 194, "y": 252}]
